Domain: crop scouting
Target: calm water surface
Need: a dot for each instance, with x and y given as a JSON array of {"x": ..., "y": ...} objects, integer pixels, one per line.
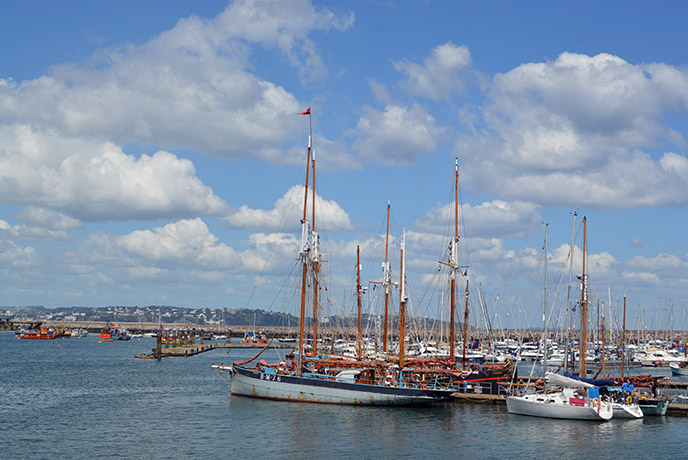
[{"x": 76, "y": 398}]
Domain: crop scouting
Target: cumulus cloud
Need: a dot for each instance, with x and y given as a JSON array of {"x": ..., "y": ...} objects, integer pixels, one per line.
[
  {"x": 581, "y": 130},
  {"x": 190, "y": 87},
  {"x": 47, "y": 218},
  {"x": 642, "y": 277},
  {"x": 496, "y": 218},
  {"x": 14, "y": 257},
  {"x": 185, "y": 241},
  {"x": 285, "y": 25},
  {"x": 91, "y": 180},
  {"x": 397, "y": 135},
  {"x": 180, "y": 250},
  {"x": 669, "y": 271},
  {"x": 287, "y": 213},
  {"x": 441, "y": 74},
  {"x": 25, "y": 232},
  {"x": 39, "y": 224}
]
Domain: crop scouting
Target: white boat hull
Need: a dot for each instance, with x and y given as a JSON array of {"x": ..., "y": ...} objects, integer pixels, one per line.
[
  {"x": 627, "y": 410},
  {"x": 253, "y": 383},
  {"x": 676, "y": 369},
  {"x": 555, "y": 405}
]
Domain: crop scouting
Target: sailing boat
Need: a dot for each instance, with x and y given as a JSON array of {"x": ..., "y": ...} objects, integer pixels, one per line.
[
  {"x": 576, "y": 399},
  {"x": 478, "y": 379},
  {"x": 572, "y": 402},
  {"x": 628, "y": 407},
  {"x": 312, "y": 379}
]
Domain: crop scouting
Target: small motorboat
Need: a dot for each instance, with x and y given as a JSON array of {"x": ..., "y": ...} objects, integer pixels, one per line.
[{"x": 679, "y": 368}]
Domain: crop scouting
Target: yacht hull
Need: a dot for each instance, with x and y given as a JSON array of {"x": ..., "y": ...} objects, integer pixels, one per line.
[
  {"x": 627, "y": 410},
  {"x": 254, "y": 383},
  {"x": 554, "y": 406}
]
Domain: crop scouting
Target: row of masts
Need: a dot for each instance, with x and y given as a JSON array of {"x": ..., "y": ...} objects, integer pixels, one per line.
[{"x": 310, "y": 255}]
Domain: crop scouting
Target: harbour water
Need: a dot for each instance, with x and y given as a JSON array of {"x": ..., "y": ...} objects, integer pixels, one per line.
[{"x": 77, "y": 398}]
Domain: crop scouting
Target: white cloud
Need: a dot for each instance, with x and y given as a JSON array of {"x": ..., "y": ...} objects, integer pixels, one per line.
[
  {"x": 396, "y": 135},
  {"x": 189, "y": 87},
  {"x": 90, "y": 180},
  {"x": 285, "y": 25},
  {"x": 661, "y": 262},
  {"x": 288, "y": 212},
  {"x": 187, "y": 242},
  {"x": 170, "y": 254},
  {"x": 24, "y": 232},
  {"x": 47, "y": 218},
  {"x": 39, "y": 224},
  {"x": 642, "y": 277},
  {"x": 572, "y": 132},
  {"x": 496, "y": 218},
  {"x": 13, "y": 257},
  {"x": 442, "y": 74}
]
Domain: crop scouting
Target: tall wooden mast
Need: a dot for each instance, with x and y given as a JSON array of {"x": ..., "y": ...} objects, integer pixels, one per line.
[
  {"x": 584, "y": 305},
  {"x": 402, "y": 302},
  {"x": 358, "y": 295},
  {"x": 387, "y": 283},
  {"x": 305, "y": 246},
  {"x": 454, "y": 265}
]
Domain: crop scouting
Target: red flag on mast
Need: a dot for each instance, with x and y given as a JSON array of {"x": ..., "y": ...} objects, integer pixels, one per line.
[{"x": 307, "y": 112}]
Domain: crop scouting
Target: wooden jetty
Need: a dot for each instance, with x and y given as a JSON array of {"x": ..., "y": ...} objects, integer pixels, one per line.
[{"x": 185, "y": 350}]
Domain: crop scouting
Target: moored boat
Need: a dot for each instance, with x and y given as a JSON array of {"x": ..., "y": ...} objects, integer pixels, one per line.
[
  {"x": 654, "y": 406},
  {"x": 360, "y": 383},
  {"x": 41, "y": 334},
  {"x": 679, "y": 368},
  {"x": 318, "y": 380},
  {"x": 78, "y": 333},
  {"x": 573, "y": 402},
  {"x": 113, "y": 332},
  {"x": 627, "y": 409},
  {"x": 559, "y": 405}
]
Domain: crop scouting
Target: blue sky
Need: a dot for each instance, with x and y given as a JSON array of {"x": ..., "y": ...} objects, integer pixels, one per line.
[{"x": 151, "y": 151}]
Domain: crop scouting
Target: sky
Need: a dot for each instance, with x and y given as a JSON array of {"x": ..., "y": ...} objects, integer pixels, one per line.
[{"x": 151, "y": 153}]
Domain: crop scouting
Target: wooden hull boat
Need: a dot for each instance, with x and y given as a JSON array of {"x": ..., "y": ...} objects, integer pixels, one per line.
[{"x": 316, "y": 388}]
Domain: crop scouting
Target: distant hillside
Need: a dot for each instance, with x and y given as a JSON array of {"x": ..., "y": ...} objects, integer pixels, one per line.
[
  {"x": 198, "y": 316},
  {"x": 152, "y": 314}
]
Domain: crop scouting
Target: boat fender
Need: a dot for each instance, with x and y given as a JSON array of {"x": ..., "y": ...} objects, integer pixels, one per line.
[{"x": 629, "y": 400}]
